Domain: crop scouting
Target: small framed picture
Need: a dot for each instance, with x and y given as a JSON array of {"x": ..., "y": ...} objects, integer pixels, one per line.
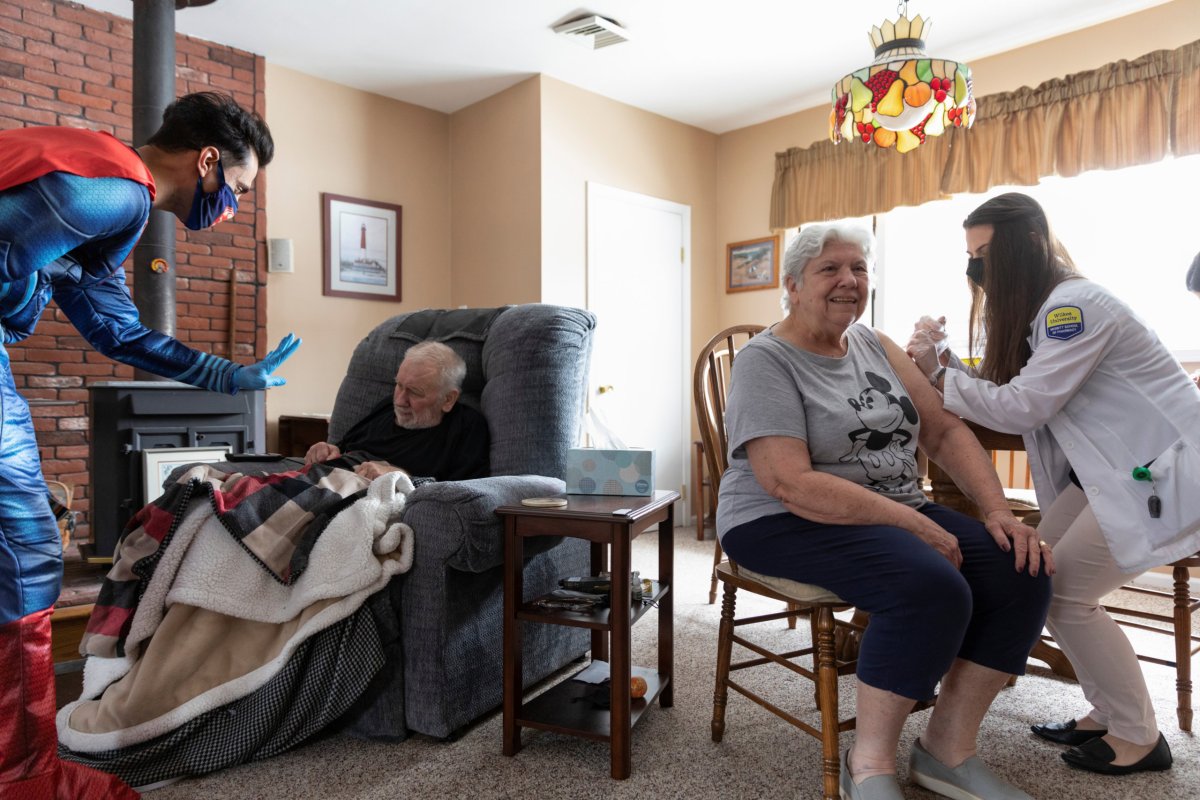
[
  {"x": 752, "y": 264},
  {"x": 159, "y": 463},
  {"x": 362, "y": 248}
]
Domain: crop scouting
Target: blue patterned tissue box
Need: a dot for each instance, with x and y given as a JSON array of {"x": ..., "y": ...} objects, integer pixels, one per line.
[{"x": 616, "y": 472}]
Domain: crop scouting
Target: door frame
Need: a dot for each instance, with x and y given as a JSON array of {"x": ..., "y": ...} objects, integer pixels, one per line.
[{"x": 598, "y": 192}]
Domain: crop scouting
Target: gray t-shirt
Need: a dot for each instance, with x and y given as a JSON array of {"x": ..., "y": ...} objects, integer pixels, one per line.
[{"x": 852, "y": 412}]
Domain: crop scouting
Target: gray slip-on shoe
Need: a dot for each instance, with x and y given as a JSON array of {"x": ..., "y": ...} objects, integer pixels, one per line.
[
  {"x": 880, "y": 787},
  {"x": 970, "y": 780}
]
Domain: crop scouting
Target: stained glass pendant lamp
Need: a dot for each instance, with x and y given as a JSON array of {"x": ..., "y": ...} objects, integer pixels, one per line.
[{"x": 903, "y": 95}]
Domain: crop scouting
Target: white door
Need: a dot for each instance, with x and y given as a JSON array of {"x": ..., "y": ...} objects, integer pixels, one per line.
[{"x": 638, "y": 286}]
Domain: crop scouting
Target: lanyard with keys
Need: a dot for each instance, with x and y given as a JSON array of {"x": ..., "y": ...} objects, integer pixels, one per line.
[{"x": 1154, "y": 505}]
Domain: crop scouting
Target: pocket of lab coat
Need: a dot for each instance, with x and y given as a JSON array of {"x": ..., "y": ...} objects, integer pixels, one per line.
[{"x": 1176, "y": 474}]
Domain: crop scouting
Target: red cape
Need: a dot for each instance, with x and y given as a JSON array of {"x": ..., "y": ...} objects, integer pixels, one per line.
[{"x": 29, "y": 153}]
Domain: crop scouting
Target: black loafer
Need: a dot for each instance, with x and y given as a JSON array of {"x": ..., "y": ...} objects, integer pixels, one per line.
[
  {"x": 1065, "y": 733},
  {"x": 1097, "y": 756}
]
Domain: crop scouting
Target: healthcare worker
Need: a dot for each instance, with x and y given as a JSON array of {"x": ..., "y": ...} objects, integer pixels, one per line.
[
  {"x": 72, "y": 205},
  {"x": 1111, "y": 423}
]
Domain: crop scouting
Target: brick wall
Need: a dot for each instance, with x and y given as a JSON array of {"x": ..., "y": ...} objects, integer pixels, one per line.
[{"x": 64, "y": 64}]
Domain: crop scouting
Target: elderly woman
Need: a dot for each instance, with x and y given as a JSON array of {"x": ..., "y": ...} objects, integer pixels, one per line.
[{"x": 824, "y": 418}]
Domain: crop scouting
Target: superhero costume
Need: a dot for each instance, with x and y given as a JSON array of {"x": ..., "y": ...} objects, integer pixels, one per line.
[{"x": 72, "y": 205}]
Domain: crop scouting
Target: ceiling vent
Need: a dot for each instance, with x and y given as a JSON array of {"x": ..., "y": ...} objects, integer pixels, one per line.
[{"x": 593, "y": 32}]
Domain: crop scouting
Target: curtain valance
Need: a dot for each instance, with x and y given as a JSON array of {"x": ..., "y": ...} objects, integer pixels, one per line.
[{"x": 1122, "y": 114}]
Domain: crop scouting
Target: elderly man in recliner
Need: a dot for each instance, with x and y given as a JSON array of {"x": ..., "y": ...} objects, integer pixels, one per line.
[{"x": 423, "y": 430}]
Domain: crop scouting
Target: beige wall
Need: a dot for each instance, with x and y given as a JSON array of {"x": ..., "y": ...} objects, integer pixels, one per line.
[
  {"x": 746, "y": 157},
  {"x": 589, "y": 138},
  {"x": 745, "y": 172},
  {"x": 496, "y": 225},
  {"x": 333, "y": 139}
]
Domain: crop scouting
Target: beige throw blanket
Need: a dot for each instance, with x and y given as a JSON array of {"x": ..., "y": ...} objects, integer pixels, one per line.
[{"x": 213, "y": 626}]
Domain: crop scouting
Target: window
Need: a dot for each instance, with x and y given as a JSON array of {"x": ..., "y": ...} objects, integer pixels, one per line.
[{"x": 1132, "y": 231}]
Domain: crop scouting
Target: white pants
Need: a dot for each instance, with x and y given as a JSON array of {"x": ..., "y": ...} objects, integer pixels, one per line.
[{"x": 1103, "y": 658}]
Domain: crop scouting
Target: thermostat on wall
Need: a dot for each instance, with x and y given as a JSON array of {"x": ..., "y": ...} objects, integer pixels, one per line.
[{"x": 279, "y": 255}]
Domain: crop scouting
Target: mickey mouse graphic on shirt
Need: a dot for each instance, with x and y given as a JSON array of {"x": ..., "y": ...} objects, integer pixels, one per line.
[{"x": 880, "y": 444}]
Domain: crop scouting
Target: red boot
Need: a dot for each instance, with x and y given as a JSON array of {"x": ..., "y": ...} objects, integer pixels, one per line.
[{"x": 30, "y": 768}]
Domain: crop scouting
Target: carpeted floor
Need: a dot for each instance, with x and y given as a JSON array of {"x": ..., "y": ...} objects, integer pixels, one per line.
[{"x": 673, "y": 755}]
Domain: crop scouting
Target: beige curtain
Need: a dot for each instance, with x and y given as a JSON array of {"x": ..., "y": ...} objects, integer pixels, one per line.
[
  {"x": 1185, "y": 117},
  {"x": 1122, "y": 114},
  {"x": 828, "y": 181},
  {"x": 1107, "y": 118}
]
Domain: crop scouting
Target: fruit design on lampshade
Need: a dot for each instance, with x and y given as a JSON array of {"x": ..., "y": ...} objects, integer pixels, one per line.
[{"x": 904, "y": 95}]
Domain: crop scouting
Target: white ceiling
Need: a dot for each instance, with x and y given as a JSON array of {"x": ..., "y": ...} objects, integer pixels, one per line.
[{"x": 715, "y": 64}]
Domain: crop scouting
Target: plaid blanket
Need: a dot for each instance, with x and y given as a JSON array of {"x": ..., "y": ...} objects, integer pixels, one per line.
[
  {"x": 276, "y": 518},
  {"x": 209, "y": 616}
]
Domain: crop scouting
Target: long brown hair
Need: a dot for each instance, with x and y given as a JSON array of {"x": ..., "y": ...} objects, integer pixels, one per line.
[{"x": 1023, "y": 263}]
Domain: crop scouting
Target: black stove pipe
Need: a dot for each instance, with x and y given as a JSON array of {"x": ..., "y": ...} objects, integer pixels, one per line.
[{"x": 153, "y": 91}]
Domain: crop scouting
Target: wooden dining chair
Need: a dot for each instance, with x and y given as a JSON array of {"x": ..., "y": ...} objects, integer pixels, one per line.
[
  {"x": 833, "y": 647},
  {"x": 819, "y": 662},
  {"x": 704, "y": 502},
  {"x": 1183, "y": 606},
  {"x": 710, "y": 387}
]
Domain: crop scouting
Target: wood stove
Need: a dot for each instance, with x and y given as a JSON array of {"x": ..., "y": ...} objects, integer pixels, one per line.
[{"x": 130, "y": 417}]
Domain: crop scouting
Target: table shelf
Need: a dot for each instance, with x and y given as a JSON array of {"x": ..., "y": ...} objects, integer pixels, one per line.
[
  {"x": 610, "y": 524},
  {"x": 564, "y": 708},
  {"x": 595, "y": 620}
]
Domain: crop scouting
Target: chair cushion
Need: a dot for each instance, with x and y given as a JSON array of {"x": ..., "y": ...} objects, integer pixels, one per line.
[{"x": 800, "y": 592}]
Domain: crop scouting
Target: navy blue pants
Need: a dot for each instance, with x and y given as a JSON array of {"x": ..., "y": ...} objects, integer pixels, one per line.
[{"x": 924, "y": 612}]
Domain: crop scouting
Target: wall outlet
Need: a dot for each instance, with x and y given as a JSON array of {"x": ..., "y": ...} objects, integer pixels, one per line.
[{"x": 279, "y": 255}]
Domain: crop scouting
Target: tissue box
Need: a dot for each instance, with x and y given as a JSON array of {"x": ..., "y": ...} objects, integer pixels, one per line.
[{"x": 617, "y": 472}]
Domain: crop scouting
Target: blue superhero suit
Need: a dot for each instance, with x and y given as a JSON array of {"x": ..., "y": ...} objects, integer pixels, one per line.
[{"x": 64, "y": 234}]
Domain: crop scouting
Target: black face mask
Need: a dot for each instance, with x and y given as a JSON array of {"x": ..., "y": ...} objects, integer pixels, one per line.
[{"x": 975, "y": 270}]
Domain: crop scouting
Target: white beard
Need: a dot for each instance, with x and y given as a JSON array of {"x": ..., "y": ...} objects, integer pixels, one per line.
[{"x": 416, "y": 421}]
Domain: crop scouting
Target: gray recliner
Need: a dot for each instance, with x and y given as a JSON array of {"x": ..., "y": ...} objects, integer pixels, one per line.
[{"x": 527, "y": 369}]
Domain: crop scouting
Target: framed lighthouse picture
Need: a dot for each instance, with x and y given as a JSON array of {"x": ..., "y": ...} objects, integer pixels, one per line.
[{"x": 362, "y": 248}]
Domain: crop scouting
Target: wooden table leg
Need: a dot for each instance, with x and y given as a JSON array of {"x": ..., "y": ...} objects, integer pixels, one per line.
[
  {"x": 619, "y": 670},
  {"x": 666, "y": 608},
  {"x": 513, "y": 588}
]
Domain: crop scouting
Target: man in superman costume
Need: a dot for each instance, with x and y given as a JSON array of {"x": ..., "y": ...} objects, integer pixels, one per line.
[{"x": 72, "y": 205}]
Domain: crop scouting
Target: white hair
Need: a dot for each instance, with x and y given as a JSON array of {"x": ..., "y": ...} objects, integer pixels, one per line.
[
  {"x": 448, "y": 363},
  {"x": 811, "y": 242}
]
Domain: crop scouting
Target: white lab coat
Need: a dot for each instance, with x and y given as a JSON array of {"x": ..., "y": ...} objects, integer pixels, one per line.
[{"x": 1102, "y": 395}]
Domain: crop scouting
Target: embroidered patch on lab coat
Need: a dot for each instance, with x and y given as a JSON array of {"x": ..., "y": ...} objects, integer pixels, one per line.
[{"x": 1064, "y": 322}]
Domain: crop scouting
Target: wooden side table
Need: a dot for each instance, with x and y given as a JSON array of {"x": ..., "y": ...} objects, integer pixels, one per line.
[
  {"x": 298, "y": 432},
  {"x": 609, "y": 523}
]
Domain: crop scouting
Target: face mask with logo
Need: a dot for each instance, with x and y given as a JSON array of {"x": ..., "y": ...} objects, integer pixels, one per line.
[
  {"x": 975, "y": 270},
  {"x": 209, "y": 208}
]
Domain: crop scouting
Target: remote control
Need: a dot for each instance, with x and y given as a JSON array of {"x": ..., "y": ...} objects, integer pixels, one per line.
[{"x": 236, "y": 457}]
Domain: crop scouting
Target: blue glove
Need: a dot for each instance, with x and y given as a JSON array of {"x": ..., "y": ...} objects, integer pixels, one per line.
[{"x": 258, "y": 376}]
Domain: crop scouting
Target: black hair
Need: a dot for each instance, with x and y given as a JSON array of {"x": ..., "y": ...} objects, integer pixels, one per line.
[
  {"x": 204, "y": 119},
  {"x": 1193, "y": 276},
  {"x": 1023, "y": 263}
]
